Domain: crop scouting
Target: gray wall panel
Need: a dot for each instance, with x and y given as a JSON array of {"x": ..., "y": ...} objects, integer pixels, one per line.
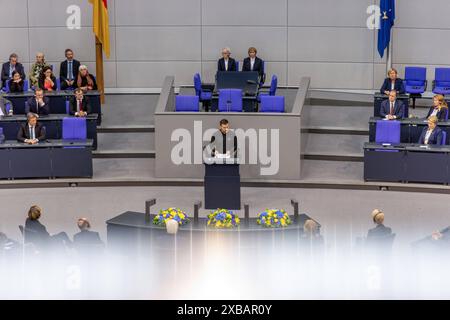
[
  {"x": 420, "y": 14},
  {"x": 340, "y": 13},
  {"x": 13, "y": 13},
  {"x": 244, "y": 13},
  {"x": 346, "y": 44},
  {"x": 158, "y": 43},
  {"x": 16, "y": 42},
  {"x": 158, "y": 12}
]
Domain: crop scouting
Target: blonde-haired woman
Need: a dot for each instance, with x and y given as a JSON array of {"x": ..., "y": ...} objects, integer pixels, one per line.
[
  {"x": 380, "y": 230},
  {"x": 37, "y": 233},
  {"x": 439, "y": 108},
  {"x": 392, "y": 83}
]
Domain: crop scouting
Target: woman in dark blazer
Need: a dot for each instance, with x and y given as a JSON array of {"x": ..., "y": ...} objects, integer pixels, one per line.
[
  {"x": 37, "y": 233},
  {"x": 392, "y": 82},
  {"x": 16, "y": 84},
  {"x": 257, "y": 64},
  {"x": 431, "y": 134},
  {"x": 439, "y": 108}
]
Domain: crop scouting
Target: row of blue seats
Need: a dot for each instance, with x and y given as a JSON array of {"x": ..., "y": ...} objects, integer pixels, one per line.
[
  {"x": 205, "y": 96},
  {"x": 73, "y": 128},
  {"x": 416, "y": 80},
  {"x": 230, "y": 100},
  {"x": 390, "y": 132}
]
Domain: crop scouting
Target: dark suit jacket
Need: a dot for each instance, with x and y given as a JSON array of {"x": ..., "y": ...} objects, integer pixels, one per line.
[
  {"x": 36, "y": 232},
  {"x": 41, "y": 82},
  {"x": 379, "y": 231},
  {"x": 86, "y": 106},
  {"x": 24, "y": 132},
  {"x": 435, "y": 137},
  {"x": 5, "y": 72},
  {"x": 87, "y": 238},
  {"x": 44, "y": 110},
  {"x": 440, "y": 114},
  {"x": 63, "y": 70},
  {"x": 257, "y": 66},
  {"x": 386, "y": 106},
  {"x": 231, "y": 64},
  {"x": 16, "y": 87},
  {"x": 399, "y": 86}
]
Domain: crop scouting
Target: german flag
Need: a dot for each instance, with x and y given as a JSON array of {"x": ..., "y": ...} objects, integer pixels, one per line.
[{"x": 101, "y": 23}]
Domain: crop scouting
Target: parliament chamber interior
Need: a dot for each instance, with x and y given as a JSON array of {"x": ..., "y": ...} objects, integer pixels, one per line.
[{"x": 182, "y": 149}]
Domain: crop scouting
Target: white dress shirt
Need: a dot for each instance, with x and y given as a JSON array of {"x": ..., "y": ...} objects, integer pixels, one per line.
[
  {"x": 226, "y": 64},
  {"x": 427, "y": 136},
  {"x": 252, "y": 63},
  {"x": 392, "y": 86},
  {"x": 32, "y": 132}
]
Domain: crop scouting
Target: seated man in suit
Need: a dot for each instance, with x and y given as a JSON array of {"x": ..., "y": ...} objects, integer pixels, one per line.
[
  {"x": 68, "y": 72},
  {"x": 79, "y": 104},
  {"x": 392, "y": 83},
  {"x": 3, "y": 103},
  {"x": 226, "y": 63},
  {"x": 9, "y": 67},
  {"x": 431, "y": 134},
  {"x": 380, "y": 230},
  {"x": 39, "y": 104},
  {"x": 253, "y": 63},
  {"x": 32, "y": 132},
  {"x": 392, "y": 109},
  {"x": 86, "y": 237}
]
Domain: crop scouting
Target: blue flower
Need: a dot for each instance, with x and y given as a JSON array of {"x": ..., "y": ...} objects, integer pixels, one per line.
[
  {"x": 280, "y": 214},
  {"x": 221, "y": 216}
]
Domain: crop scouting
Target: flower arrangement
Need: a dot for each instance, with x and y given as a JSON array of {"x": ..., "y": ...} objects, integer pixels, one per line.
[
  {"x": 273, "y": 218},
  {"x": 223, "y": 218},
  {"x": 170, "y": 214}
]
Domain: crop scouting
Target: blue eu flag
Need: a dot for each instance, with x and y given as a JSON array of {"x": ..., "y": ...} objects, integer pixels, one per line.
[{"x": 387, "y": 8}]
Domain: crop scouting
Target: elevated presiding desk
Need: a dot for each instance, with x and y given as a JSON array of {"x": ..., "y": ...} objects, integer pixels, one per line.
[
  {"x": 47, "y": 159},
  {"x": 407, "y": 163},
  {"x": 52, "y": 123},
  {"x": 247, "y": 81},
  {"x": 411, "y": 129},
  {"x": 57, "y": 101}
]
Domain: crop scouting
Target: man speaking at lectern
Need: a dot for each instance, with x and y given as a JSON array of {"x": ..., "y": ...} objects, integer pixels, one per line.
[{"x": 224, "y": 141}]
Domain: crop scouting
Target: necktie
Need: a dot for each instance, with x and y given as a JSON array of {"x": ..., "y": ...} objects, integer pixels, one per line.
[
  {"x": 391, "y": 112},
  {"x": 70, "y": 71},
  {"x": 32, "y": 135},
  {"x": 78, "y": 106}
]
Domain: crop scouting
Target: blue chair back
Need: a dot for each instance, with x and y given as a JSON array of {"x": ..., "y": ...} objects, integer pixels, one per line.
[
  {"x": 237, "y": 65},
  {"x": 8, "y": 107},
  {"x": 74, "y": 129},
  {"x": 415, "y": 79},
  {"x": 387, "y": 131},
  {"x": 442, "y": 76},
  {"x": 25, "y": 85},
  {"x": 197, "y": 84},
  {"x": 273, "y": 86},
  {"x": 58, "y": 84},
  {"x": 444, "y": 138},
  {"x": 230, "y": 100},
  {"x": 187, "y": 103},
  {"x": 7, "y": 86},
  {"x": 272, "y": 104},
  {"x": 27, "y": 107}
]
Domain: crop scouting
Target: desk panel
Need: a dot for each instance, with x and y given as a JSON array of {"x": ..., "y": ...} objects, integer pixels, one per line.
[
  {"x": 426, "y": 167},
  {"x": 30, "y": 163},
  {"x": 384, "y": 165}
]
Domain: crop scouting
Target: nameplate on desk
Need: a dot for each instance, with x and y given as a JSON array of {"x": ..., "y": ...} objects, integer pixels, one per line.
[
  {"x": 223, "y": 156},
  {"x": 424, "y": 146},
  {"x": 386, "y": 144}
]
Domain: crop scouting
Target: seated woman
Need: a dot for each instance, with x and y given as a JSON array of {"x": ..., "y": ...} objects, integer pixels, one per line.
[
  {"x": 431, "y": 134},
  {"x": 392, "y": 83},
  {"x": 36, "y": 69},
  {"x": 16, "y": 84},
  {"x": 380, "y": 230},
  {"x": 439, "y": 108},
  {"x": 85, "y": 81},
  {"x": 37, "y": 233},
  {"x": 47, "y": 81}
]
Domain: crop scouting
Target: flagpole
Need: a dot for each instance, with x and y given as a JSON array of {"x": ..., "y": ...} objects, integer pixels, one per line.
[
  {"x": 389, "y": 53},
  {"x": 99, "y": 69}
]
